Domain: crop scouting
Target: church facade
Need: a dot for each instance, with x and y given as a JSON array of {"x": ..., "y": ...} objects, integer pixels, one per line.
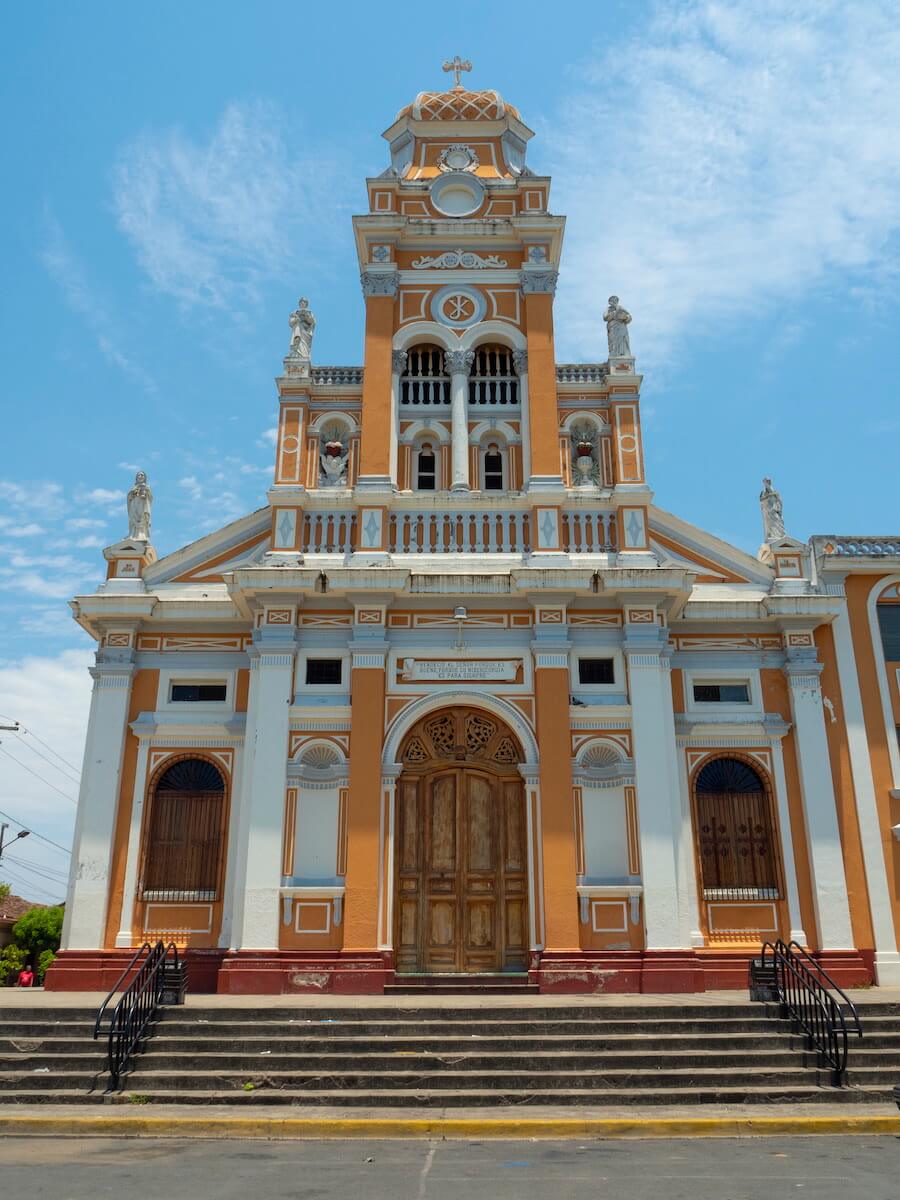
[{"x": 460, "y": 700}]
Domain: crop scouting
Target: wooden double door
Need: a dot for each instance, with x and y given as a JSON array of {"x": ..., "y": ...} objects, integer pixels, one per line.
[{"x": 461, "y": 901}]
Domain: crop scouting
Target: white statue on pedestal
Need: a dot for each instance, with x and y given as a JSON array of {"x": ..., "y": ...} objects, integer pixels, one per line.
[
  {"x": 303, "y": 326},
  {"x": 333, "y": 461},
  {"x": 140, "y": 501},
  {"x": 772, "y": 512},
  {"x": 617, "y": 321}
]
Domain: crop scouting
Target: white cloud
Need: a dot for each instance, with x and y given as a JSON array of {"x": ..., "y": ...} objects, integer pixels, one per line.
[
  {"x": 91, "y": 541},
  {"x": 211, "y": 221},
  {"x": 41, "y": 495},
  {"x": 11, "y": 529},
  {"x": 727, "y": 159},
  {"x": 268, "y": 437},
  {"x": 102, "y": 496},
  {"x": 85, "y": 523},
  {"x": 192, "y": 486},
  {"x": 63, "y": 266},
  {"x": 49, "y": 696}
]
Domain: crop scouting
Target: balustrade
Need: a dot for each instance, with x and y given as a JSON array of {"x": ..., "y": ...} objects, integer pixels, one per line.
[{"x": 459, "y": 531}]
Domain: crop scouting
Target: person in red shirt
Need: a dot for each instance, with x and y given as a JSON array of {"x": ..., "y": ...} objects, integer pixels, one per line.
[{"x": 26, "y": 977}]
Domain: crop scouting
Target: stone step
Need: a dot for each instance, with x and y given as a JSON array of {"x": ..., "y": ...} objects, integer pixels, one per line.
[
  {"x": 450, "y": 1079},
  {"x": 723, "y": 1094},
  {"x": 450, "y": 1026}
]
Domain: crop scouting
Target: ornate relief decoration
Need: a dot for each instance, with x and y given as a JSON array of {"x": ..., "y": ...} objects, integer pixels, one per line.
[
  {"x": 538, "y": 281},
  {"x": 460, "y": 307},
  {"x": 458, "y": 157},
  {"x": 461, "y": 735},
  {"x": 585, "y": 466},
  {"x": 334, "y": 453},
  {"x": 458, "y": 362},
  {"x": 379, "y": 283},
  {"x": 458, "y": 258}
]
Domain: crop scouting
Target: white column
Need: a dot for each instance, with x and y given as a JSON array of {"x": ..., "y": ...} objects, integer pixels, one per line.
[
  {"x": 798, "y": 933},
  {"x": 887, "y": 959},
  {"x": 819, "y": 807},
  {"x": 239, "y": 820},
  {"x": 123, "y": 937},
  {"x": 458, "y": 363},
  {"x": 658, "y": 801},
  {"x": 88, "y": 892},
  {"x": 520, "y": 361},
  {"x": 398, "y": 365},
  {"x": 263, "y": 800}
]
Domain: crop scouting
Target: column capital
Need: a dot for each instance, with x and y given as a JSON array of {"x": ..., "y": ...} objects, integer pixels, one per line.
[
  {"x": 520, "y": 362},
  {"x": 398, "y": 361},
  {"x": 458, "y": 362},
  {"x": 803, "y": 675},
  {"x": 540, "y": 281},
  {"x": 383, "y": 282},
  {"x": 112, "y": 675}
]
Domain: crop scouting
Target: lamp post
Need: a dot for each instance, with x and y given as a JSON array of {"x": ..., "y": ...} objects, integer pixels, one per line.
[{"x": 3, "y": 843}]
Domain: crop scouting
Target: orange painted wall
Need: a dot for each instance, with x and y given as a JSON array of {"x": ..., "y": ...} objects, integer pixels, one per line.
[
  {"x": 144, "y": 690},
  {"x": 845, "y": 795},
  {"x": 557, "y": 810},
  {"x": 367, "y": 690},
  {"x": 376, "y": 397},
  {"x": 776, "y": 699},
  {"x": 858, "y": 590},
  {"x": 542, "y": 385}
]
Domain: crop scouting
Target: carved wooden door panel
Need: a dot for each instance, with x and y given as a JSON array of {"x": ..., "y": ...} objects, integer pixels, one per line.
[{"x": 480, "y": 878}]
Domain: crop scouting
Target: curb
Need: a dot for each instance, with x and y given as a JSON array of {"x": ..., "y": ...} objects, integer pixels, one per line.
[{"x": 471, "y": 1129}]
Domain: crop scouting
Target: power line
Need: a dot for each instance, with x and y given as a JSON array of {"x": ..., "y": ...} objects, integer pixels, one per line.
[
  {"x": 22, "y": 881},
  {"x": 49, "y": 761},
  {"x": 34, "y": 832},
  {"x": 47, "y": 872},
  {"x": 31, "y": 733},
  {"x": 46, "y": 782}
]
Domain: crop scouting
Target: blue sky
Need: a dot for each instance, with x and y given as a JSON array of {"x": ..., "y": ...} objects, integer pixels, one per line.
[{"x": 177, "y": 174}]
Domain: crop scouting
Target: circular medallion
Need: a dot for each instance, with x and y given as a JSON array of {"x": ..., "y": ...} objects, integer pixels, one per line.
[
  {"x": 458, "y": 158},
  {"x": 458, "y": 306}
]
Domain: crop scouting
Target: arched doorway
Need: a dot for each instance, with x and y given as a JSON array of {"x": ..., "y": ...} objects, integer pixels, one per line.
[
  {"x": 185, "y": 834},
  {"x": 738, "y": 853},
  {"x": 461, "y": 876}
]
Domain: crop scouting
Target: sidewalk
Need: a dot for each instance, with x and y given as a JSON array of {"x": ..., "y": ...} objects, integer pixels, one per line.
[{"x": 38, "y": 998}]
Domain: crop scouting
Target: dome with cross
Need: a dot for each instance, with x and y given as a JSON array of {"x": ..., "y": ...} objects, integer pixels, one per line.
[{"x": 459, "y": 104}]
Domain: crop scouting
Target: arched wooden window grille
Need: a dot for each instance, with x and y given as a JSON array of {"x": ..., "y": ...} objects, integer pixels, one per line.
[
  {"x": 424, "y": 381},
  {"x": 493, "y": 379},
  {"x": 740, "y": 858},
  {"x": 185, "y": 838}
]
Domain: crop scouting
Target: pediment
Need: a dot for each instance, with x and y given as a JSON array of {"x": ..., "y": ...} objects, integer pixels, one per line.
[
  {"x": 240, "y": 544},
  {"x": 677, "y": 543}
]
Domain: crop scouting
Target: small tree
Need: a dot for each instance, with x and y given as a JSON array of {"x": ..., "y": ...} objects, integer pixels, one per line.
[
  {"x": 12, "y": 960},
  {"x": 38, "y": 930},
  {"x": 5, "y": 889},
  {"x": 44, "y": 963}
]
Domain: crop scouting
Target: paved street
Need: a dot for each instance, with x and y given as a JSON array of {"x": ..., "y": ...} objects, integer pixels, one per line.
[{"x": 827, "y": 1168}]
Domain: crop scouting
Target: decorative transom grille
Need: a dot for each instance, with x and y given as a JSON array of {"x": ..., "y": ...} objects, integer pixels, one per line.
[
  {"x": 506, "y": 751},
  {"x": 191, "y": 775},
  {"x": 461, "y": 735},
  {"x": 479, "y": 732},
  {"x": 443, "y": 734},
  {"x": 415, "y": 752}
]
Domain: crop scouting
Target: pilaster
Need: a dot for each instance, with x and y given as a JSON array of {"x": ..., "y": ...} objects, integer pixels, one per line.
[
  {"x": 819, "y": 805},
  {"x": 380, "y": 289},
  {"x": 262, "y": 806},
  {"x": 88, "y": 891},
  {"x": 538, "y": 287}
]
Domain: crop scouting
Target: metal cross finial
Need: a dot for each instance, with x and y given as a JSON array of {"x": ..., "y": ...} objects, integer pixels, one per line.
[{"x": 458, "y": 66}]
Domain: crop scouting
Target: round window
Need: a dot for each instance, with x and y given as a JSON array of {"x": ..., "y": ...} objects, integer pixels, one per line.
[{"x": 457, "y": 195}]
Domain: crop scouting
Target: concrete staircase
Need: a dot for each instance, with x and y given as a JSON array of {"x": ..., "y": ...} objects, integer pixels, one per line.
[{"x": 452, "y": 1056}]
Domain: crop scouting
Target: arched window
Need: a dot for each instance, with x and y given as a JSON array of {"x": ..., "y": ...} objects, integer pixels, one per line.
[
  {"x": 426, "y": 467},
  {"x": 185, "y": 835},
  {"x": 424, "y": 381},
  {"x": 493, "y": 379},
  {"x": 493, "y": 468},
  {"x": 736, "y": 839}
]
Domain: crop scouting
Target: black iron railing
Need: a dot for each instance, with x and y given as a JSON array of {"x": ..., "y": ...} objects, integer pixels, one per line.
[
  {"x": 137, "y": 1005},
  {"x": 808, "y": 994}
]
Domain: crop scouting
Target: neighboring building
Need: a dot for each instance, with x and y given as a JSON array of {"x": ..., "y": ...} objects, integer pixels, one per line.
[
  {"x": 460, "y": 699},
  {"x": 11, "y": 909}
]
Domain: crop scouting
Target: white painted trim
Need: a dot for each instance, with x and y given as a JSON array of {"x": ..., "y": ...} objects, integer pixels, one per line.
[
  {"x": 788, "y": 859},
  {"x": 129, "y": 888},
  {"x": 454, "y": 697},
  {"x": 880, "y": 905}
]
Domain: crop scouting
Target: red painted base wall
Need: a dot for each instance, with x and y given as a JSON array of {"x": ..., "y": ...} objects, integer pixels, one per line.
[{"x": 282, "y": 973}]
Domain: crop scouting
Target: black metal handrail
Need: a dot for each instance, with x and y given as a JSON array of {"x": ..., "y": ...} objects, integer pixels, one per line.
[
  {"x": 136, "y": 1007},
  {"x": 811, "y": 1003}
]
